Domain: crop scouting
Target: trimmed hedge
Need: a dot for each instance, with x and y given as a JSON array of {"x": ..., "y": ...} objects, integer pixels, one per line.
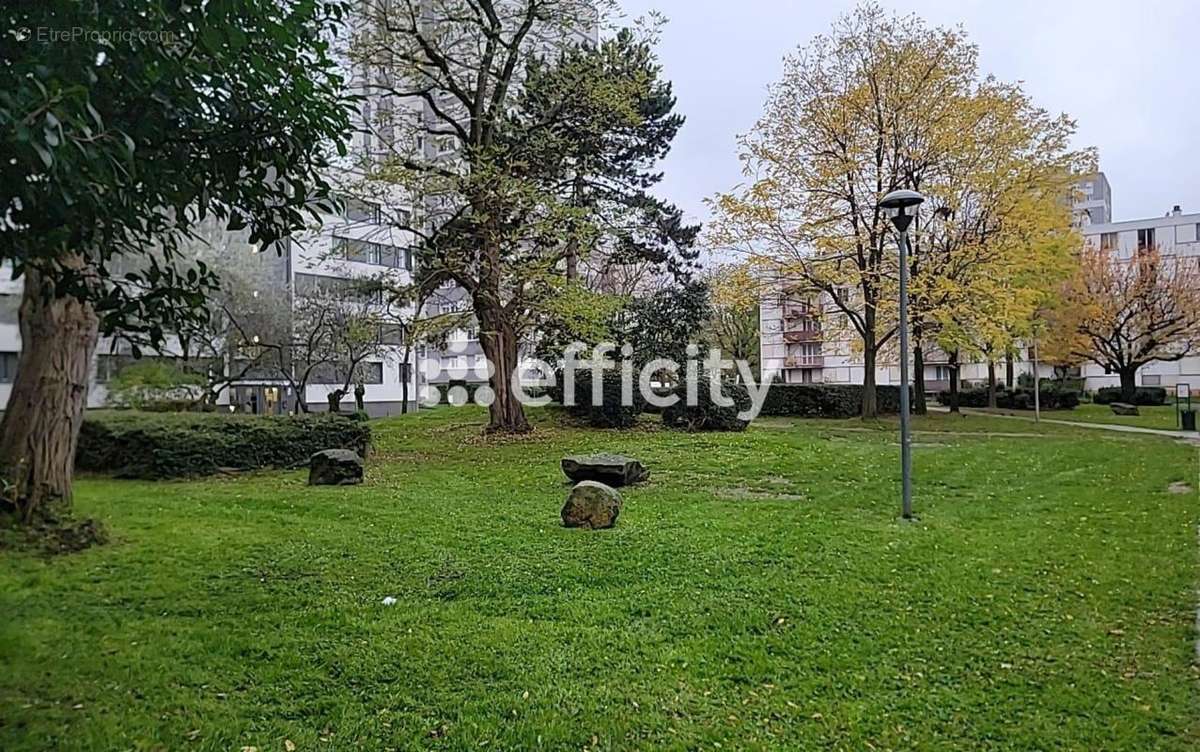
[
  {"x": 826, "y": 400},
  {"x": 1143, "y": 395},
  {"x": 610, "y": 413},
  {"x": 706, "y": 414},
  {"x": 152, "y": 446},
  {"x": 1053, "y": 397}
]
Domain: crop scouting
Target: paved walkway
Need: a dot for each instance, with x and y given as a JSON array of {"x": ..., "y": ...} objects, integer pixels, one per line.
[{"x": 1189, "y": 436}]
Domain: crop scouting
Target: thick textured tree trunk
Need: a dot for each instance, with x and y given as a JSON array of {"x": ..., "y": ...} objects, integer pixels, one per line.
[
  {"x": 870, "y": 403},
  {"x": 919, "y": 406},
  {"x": 1128, "y": 384},
  {"x": 954, "y": 382},
  {"x": 499, "y": 341},
  {"x": 991, "y": 382},
  {"x": 1009, "y": 377},
  {"x": 45, "y": 408}
]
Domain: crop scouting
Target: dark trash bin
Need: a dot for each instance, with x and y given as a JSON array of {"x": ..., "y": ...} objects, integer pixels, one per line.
[{"x": 1188, "y": 418}]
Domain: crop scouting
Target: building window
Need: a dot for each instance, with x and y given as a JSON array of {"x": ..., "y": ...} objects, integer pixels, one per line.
[
  {"x": 1108, "y": 241},
  {"x": 10, "y": 306},
  {"x": 941, "y": 373},
  {"x": 405, "y": 373},
  {"x": 368, "y": 252},
  {"x": 391, "y": 334},
  {"x": 1145, "y": 239},
  {"x": 340, "y": 288},
  {"x": 8, "y": 367},
  {"x": 1148, "y": 380},
  {"x": 371, "y": 373},
  {"x": 335, "y": 373},
  {"x": 358, "y": 210}
]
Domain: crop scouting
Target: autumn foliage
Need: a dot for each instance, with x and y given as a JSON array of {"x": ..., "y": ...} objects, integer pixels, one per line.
[{"x": 1122, "y": 313}]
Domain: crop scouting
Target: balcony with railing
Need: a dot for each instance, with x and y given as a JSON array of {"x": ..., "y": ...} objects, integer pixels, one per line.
[
  {"x": 799, "y": 336},
  {"x": 795, "y": 310},
  {"x": 804, "y": 361}
]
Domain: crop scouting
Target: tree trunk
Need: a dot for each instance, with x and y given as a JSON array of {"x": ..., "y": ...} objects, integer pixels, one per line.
[
  {"x": 991, "y": 382},
  {"x": 1128, "y": 383},
  {"x": 954, "y": 382},
  {"x": 919, "y": 406},
  {"x": 1009, "y": 378},
  {"x": 572, "y": 258},
  {"x": 41, "y": 424},
  {"x": 499, "y": 341},
  {"x": 870, "y": 403},
  {"x": 404, "y": 377}
]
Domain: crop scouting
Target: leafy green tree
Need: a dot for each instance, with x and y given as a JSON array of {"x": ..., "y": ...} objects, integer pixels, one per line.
[
  {"x": 662, "y": 324},
  {"x": 544, "y": 135},
  {"x": 116, "y": 144}
]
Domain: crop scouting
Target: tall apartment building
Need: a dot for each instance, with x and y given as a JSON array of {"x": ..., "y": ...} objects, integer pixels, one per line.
[{"x": 803, "y": 339}]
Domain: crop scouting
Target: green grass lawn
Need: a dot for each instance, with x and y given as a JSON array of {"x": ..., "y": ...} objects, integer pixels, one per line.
[
  {"x": 757, "y": 593},
  {"x": 1162, "y": 417}
]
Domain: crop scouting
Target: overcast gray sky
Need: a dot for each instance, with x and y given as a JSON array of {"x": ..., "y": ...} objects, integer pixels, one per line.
[{"x": 1127, "y": 70}]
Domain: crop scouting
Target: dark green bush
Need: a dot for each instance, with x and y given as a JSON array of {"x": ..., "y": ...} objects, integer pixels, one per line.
[
  {"x": 1072, "y": 383},
  {"x": 1053, "y": 397},
  {"x": 661, "y": 392},
  {"x": 826, "y": 400},
  {"x": 174, "y": 445},
  {"x": 610, "y": 413},
  {"x": 706, "y": 414},
  {"x": 176, "y": 406},
  {"x": 1143, "y": 395}
]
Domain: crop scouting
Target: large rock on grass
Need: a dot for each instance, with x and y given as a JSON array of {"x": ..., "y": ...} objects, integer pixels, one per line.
[
  {"x": 610, "y": 469},
  {"x": 591, "y": 505},
  {"x": 335, "y": 467},
  {"x": 1122, "y": 408}
]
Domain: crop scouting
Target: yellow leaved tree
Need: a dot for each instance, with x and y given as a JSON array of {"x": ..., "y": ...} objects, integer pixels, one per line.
[{"x": 880, "y": 103}]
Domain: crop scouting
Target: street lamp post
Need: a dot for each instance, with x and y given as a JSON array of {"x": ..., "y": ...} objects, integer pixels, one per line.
[
  {"x": 1037, "y": 384},
  {"x": 901, "y": 208}
]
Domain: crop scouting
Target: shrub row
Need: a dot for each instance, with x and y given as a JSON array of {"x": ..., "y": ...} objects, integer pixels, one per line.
[
  {"x": 706, "y": 414},
  {"x": 793, "y": 400},
  {"x": 610, "y": 413},
  {"x": 826, "y": 400},
  {"x": 153, "y": 446},
  {"x": 1143, "y": 395},
  {"x": 1052, "y": 397}
]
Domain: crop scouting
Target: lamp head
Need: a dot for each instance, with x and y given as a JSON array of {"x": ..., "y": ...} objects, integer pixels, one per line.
[{"x": 901, "y": 207}]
